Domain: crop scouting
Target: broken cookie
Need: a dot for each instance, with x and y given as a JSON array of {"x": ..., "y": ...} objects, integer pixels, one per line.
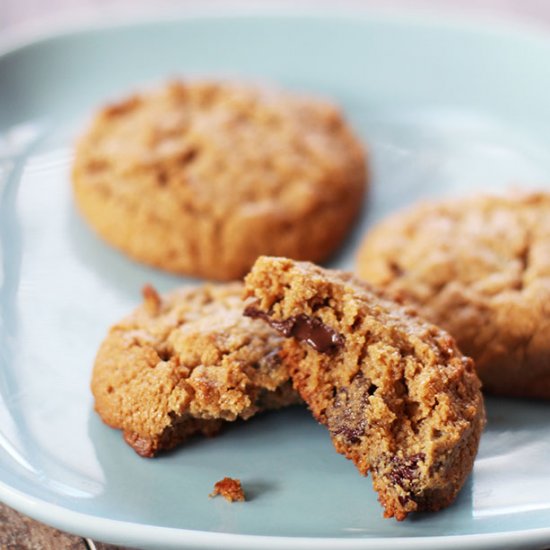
[
  {"x": 396, "y": 394},
  {"x": 186, "y": 363}
]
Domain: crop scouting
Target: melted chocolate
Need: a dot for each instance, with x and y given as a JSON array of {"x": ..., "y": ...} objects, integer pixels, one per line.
[{"x": 310, "y": 330}]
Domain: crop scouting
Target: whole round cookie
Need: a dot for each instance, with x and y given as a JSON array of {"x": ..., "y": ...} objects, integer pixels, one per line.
[
  {"x": 184, "y": 364},
  {"x": 480, "y": 268},
  {"x": 200, "y": 178}
]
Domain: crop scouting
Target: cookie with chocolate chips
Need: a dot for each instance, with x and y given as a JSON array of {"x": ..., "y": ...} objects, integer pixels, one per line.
[
  {"x": 185, "y": 364},
  {"x": 394, "y": 391},
  {"x": 480, "y": 268},
  {"x": 202, "y": 177}
]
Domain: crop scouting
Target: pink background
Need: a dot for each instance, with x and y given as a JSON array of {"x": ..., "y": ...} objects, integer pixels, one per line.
[{"x": 35, "y": 13}]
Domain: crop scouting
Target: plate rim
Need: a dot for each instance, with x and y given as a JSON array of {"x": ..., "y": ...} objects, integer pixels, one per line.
[
  {"x": 138, "y": 534},
  {"x": 88, "y": 525}
]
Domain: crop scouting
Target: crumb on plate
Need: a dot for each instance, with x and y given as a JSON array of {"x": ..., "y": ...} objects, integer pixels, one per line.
[{"x": 230, "y": 489}]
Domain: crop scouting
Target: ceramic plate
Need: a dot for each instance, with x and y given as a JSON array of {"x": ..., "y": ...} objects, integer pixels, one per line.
[{"x": 445, "y": 109}]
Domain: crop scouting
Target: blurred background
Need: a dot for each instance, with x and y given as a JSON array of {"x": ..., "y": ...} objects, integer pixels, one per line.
[{"x": 15, "y": 14}]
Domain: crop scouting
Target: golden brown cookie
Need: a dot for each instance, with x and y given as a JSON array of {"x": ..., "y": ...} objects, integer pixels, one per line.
[
  {"x": 184, "y": 364},
  {"x": 480, "y": 268},
  {"x": 396, "y": 394},
  {"x": 200, "y": 178}
]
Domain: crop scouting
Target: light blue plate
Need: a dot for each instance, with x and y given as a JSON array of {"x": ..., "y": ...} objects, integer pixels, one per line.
[{"x": 444, "y": 108}]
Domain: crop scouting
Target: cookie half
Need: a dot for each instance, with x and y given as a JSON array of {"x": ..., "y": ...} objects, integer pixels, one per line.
[
  {"x": 184, "y": 364},
  {"x": 201, "y": 178},
  {"x": 480, "y": 268},
  {"x": 396, "y": 394}
]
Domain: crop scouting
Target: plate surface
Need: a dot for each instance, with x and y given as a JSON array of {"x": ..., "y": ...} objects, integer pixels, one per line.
[{"x": 444, "y": 109}]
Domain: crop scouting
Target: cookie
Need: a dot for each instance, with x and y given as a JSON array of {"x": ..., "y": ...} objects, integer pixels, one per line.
[
  {"x": 480, "y": 268},
  {"x": 396, "y": 394},
  {"x": 200, "y": 178},
  {"x": 185, "y": 364}
]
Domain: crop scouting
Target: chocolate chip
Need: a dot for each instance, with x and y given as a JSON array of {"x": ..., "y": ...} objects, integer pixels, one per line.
[
  {"x": 310, "y": 330},
  {"x": 404, "y": 469},
  {"x": 352, "y": 435},
  {"x": 254, "y": 313},
  {"x": 347, "y": 414}
]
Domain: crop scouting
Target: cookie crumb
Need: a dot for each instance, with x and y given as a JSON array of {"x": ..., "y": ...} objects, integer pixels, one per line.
[
  {"x": 151, "y": 299},
  {"x": 230, "y": 489}
]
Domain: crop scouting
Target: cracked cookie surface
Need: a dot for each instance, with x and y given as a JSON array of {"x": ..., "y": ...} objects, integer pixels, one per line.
[
  {"x": 184, "y": 364},
  {"x": 201, "y": 178},
  {"x": 480, "y": 268},
  {"x": 394, "y": 391}
]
